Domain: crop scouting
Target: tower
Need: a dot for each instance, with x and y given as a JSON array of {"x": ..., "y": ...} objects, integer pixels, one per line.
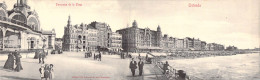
[
  {"x": 134, "y": 24},
  {"x": 22, "y": 2},
  {"x": 159, "y": 36},
  {"x": 69, "y": 22},
  {"x": 158, "y": 28}
]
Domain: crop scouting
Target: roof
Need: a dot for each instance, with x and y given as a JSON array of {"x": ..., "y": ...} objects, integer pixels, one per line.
[
  {"x": 48, "y": 32},
  {"x": 90, "y": 27}
]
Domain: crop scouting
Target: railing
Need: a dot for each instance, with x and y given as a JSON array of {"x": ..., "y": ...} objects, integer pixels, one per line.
[
  {"x": 17, "y": 22},
  {"x": 171, "y": 73}
]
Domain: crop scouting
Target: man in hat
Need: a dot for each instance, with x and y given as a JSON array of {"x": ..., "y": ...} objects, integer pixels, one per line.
[
  {"x": 133, "y": 66},
  {"x": 140, "y": 66}
]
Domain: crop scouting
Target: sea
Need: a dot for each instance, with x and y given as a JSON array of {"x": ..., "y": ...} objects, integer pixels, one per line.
[{"x": 234, "y": 67}]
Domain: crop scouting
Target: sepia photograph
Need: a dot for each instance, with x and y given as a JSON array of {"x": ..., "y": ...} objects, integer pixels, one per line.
[{"x": 129, "y": 40}]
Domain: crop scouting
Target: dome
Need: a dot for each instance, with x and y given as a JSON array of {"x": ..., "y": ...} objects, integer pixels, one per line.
[
  {"x": 134, "y": 24},
  {"x": 159, "y": 28}
]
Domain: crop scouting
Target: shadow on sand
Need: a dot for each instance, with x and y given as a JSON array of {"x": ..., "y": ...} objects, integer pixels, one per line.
[
  {"x": 7, "y": 70},
  {"x": 18, "y": 78}
]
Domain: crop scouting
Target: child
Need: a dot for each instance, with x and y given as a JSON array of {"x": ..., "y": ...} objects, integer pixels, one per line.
[
  {"x": 42, "y": 72},
  {"x": 51, "y": 72}
]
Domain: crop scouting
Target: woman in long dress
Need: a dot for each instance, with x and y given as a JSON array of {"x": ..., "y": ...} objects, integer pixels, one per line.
[
  {"x": 9, "y": 64},
  {"x": 18, "y": 62},
  {"x": 47, "y": 71}
]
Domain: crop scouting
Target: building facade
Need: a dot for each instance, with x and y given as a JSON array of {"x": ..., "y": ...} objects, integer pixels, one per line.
[
  {"x": 203, "y": 45},
  {"x": 20, "y": 29},
  {"x": 90, "y": 37},
  {"x": 58, "y": 43},
  {"x": 215, "y": 47},
  {"x": 115, "y": 42},
  {"x": 197, "y": 44},
  {"x": 180, "y": 44},
  {"x": 81, "y": 37},
  {"x": 168, "y": 43},
  {"x": 136, "y": 39},
  {"x": 103, "y": 33}
]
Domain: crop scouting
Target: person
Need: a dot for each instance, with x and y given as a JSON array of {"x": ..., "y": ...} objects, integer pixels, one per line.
[
  {"x": 181, "y": 75},
  {"x": 139, "y": 56},
  {"x": 51, "y": 72},
  {"x": 18, "y": 62},
  {"x": 165, "y": 67},
  {"x": 133, "y": 66},
  {"x": 41, "y": 57},
  {"x": 36, "y": 55},
  {"x": 90, "y": 54},
  {"x": 140, "y": 66},
  {"x": 99, "y": 56},
  {"x": 146, "y": 57},
  {"x": 130, "y": 55},
  {"x": 9, "y": 64},
  {"x": 123, "y": 55},
  {"x": 41, "y": 70},
  {"x": 94, "y": 56},
  {"x": 47, "y": 71}
]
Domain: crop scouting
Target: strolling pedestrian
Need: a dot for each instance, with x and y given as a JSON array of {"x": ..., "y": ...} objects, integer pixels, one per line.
[
  {"x": 99, "y": 56},
  {"x": 133, "y": 66},
  {"x": 94, "y": 56},
  {"x": 139, "y": 56},
  {"x": 18, "y": 62},
  {"x": 123, "y": 55},
  {"x": 140, "y": 66},
  {"x": 41, "y": 57},
  {"x": 9, "y": 64},
  {"x": 165, "y": 67},
  {"x": 146, "y": 57},
  {"x": 47, "y": 71},
  {"x": 41, "y": 70}
]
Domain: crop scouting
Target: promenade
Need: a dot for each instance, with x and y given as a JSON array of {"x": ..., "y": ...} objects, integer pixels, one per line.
[{"x": 73, "y": 66}]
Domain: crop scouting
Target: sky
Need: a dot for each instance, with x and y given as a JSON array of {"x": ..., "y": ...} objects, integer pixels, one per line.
[{"x": 227, "y": 22}]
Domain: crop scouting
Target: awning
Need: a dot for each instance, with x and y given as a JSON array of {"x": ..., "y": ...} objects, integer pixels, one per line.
[{"x": 145, "y": 47}]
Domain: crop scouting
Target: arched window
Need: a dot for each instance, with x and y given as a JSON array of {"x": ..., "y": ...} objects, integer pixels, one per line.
[
  {"x": 2, "y": 13},
  {"x": 20, "y": 18},
  {"x": 79, "y": 37},
  {"x": 33, "y": 21}
]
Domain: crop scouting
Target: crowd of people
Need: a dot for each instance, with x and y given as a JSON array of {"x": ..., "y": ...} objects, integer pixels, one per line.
[
  {"x": 96, "y": 56},
  {"x": 14, "y": 59},
  {"x": 46, "y": 72},
  {"x": 197, "y": 54}
]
